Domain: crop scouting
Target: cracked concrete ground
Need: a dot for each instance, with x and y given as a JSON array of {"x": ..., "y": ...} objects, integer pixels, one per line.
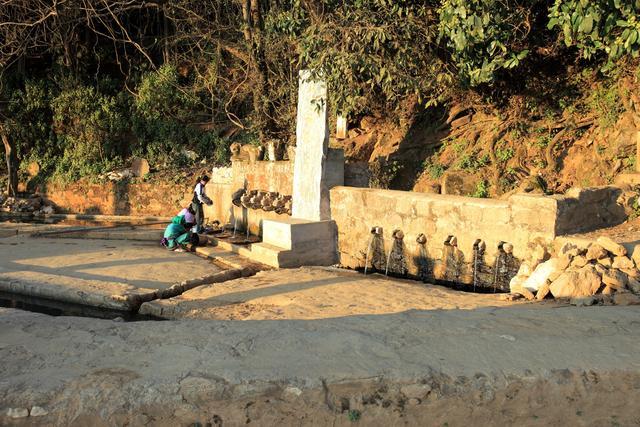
[{"x": 103, "y": 273}]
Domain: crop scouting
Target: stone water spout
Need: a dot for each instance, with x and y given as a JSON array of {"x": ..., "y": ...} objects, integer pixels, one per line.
[
  {"x": 256, "y": 201},
  {"x": 288, "y": 205},
  {"x": 398, "y": 236},
  {"x": 421, "y": 256},
  {"x": 479, "y": 248},
  {"x": 245, "y": 199},
  {"x": 278, "y": 204},
  {"x": 451, "y": 241},
  {"x": 236, "y": 198},
  {"x": 450, "y": 259},
  {"x": 501, "y": 267},
  {"x": 375, "y": 232},
  {"x": 268, "y": 201}
]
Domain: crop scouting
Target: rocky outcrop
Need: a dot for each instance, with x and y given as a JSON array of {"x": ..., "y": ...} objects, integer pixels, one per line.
[{"x": 34, "y": 205}]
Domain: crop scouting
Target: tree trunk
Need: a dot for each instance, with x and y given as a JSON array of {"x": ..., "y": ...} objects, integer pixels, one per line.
[
  {"x": 252, "y": 17},
  {"x": 12, "y": 164}
]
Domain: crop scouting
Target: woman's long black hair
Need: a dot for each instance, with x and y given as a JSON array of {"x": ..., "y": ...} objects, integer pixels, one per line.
[{"x": 204, "y": 178}]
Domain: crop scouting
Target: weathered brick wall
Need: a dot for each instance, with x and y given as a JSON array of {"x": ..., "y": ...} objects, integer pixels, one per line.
[
  {"x": 157, "y": 199},
  {"x": 119, "y": 198}
]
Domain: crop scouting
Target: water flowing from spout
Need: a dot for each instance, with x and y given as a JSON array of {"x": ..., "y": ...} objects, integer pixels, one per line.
[
  {"x": 475, "y": 266},
  {"x": 386, "y": 268},
  {"x": 235, "y": 227},
  {"x": 495, "y": 269},
  {"x": 366, "y": 259},
  {"x": 247, "y": 224}
]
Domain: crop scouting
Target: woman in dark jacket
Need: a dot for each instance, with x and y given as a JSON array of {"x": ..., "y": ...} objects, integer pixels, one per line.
[{"x": 200, "y": 198}]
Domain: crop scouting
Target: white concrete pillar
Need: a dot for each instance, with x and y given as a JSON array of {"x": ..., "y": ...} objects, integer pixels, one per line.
[
  {"x": 341, "y": 127},
  {"x": 310, "y": 190}
]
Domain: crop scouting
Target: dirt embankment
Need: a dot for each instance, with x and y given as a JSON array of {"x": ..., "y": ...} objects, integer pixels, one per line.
[
  {"x": 527, "y": 144},
  {"x": 568, "y": 365}
]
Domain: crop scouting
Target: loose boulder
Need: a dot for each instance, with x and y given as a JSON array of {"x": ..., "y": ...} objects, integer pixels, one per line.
[
  {"x": 613, "y": 247},
  {"x": 579, "y": 261},
  {"x": 565, "y": 285},
  {"x": 543, "y": 291},
  {"x": 634, "y": 285},
  {"x": 595, "y": 252},
  {"x": 542, "y": 272},
  {"x": 582, "y": 301},
  {"x": 606, "y": 262},
  {"x": 622, "y": 262},
  {"x": 615, "y": 279},
  {"x": 590, "y": 281},
  {"x": 626, "y": 298},
  {"x": 635, "y": 255},
  {"x": 140, "y": 167}
]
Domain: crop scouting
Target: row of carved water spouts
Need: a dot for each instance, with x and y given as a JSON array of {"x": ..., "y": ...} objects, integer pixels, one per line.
[
  {"x": 266, "y": 200},
  {"x": 479, "y": 248}
]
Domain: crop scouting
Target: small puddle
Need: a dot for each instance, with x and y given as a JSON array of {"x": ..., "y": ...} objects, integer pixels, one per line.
[{"x": 58, "y": 308}]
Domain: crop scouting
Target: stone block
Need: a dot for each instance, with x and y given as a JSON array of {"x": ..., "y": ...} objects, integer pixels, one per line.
[
  {"x": 290, "y": 233},
  {"x": 541, "y": 274},
  {"x": 615, "y": 279},
  {"x": 458, "y": 183},
  {"x": 622, "y": 263},
  {"x": 334, "y": 169},
  {"x": 140, "y": 167},
  {"x": 635, "y": 255},
  {"x": 626, "y": 298},
  {"x": 294, "y": 242},
  {"x": 596, "y": 252},
  {"x": 612, "y": 246}
]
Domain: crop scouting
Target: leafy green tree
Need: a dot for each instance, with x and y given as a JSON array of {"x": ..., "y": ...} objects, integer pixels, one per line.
[
  {"x": 608, "y": 28},
  {"x": 484, "y": 36},
  {"x": 372, "y": 52}
]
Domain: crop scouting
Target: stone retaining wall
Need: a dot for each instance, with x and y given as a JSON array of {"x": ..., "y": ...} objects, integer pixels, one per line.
[{"x": 521, "y": 221}]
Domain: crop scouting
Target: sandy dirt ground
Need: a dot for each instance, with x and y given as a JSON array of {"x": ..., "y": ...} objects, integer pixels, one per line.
[
  {"x": 90, "y": 271},
  {"x": 628, "y": 231},
  {"x": 315, "y": 293},
  {"x": 310, "y": 346},
  {"x": 488, "y": 366}
]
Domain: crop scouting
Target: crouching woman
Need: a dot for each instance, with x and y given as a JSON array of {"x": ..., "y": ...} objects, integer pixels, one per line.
[{"x": 177, "y": 234}]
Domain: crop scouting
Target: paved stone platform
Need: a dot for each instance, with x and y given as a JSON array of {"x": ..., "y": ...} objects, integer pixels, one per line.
[
  {"x": 314, "y": 293},
  {"x": 115, "y": 274}
]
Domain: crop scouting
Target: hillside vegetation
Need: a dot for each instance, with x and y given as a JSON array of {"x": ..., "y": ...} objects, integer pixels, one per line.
[{"x": 509, "y": 94}]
